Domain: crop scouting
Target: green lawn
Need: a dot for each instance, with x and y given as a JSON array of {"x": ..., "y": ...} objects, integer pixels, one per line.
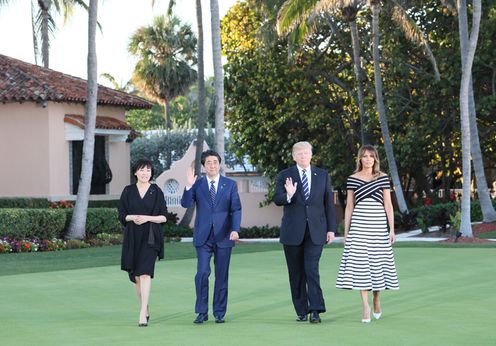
[{"x": 446, "y": 298}]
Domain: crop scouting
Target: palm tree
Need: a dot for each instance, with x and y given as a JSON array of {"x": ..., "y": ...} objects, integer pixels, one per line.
[
  {"x": 375, "y": 6},
  {"x": 202, "y": 112},
  {"x": 488, "y": 212},
  {"x": 78, "y": 221},
  {"x": 166, "y": 52},
  {"x": 295, "y": 12},
  {"x": 468, "y": 45},
  {"x": 219, "y": 80},
  {"x": 43, "y": 22}
]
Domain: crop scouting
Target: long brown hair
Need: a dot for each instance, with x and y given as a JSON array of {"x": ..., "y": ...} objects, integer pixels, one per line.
[{"x": 376, "y": 169}]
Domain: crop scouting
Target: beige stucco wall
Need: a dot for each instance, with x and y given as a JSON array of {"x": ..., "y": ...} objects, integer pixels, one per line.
[
  {"x": 24, "y": 150},
  {"x": 35, "y": 155}
]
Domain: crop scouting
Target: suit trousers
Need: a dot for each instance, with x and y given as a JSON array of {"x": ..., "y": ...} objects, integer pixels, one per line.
[
  {"x": 222, "y": 257},
  {"x": 304, "y": 278}
]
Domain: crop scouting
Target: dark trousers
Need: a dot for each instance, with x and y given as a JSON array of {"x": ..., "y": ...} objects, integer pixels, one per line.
[
  {"x": 222, "y": 257},
  {"x": 304, "y": 278}
]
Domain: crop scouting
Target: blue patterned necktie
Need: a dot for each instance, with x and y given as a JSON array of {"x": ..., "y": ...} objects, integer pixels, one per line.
[
  {"x": 212, "y": 192},
  {"x": 304, "y": 180}
]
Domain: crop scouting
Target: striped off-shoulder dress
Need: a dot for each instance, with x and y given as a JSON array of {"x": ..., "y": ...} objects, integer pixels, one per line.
[{"x": 368, "y": 261}]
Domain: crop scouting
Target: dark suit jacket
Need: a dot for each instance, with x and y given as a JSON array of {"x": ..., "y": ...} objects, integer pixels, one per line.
[
  {"x": 224, "y": 217},
  {"x": 318, "y": 211}
]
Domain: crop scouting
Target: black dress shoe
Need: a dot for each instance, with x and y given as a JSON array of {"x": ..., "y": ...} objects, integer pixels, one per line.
[
  {"x": 219, "y": 320},
  {"x": 202, "y": 317},
  {"x": 314, "y": 317},
  {"x": 301, "y": 318}
]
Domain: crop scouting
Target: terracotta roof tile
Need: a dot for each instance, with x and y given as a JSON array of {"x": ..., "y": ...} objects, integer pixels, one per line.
[
  {"x": 104, "y": 123},
  {"x": 23, "y": 82}
]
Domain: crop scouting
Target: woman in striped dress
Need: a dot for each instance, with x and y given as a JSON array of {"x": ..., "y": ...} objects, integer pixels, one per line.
[{"x": 368, "y": 263}]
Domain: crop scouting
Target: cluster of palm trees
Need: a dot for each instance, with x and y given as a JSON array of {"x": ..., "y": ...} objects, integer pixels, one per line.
[{"x": 296, "y": 16}]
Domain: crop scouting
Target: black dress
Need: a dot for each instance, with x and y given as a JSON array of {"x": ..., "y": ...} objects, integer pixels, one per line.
[{"x": 142, "y": 244}]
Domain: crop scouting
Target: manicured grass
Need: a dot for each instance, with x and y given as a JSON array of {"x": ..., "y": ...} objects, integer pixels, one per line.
[
  {"x": 446, "y": 298},
  {"x": 19, "y": 263},
  {"x": 110, "y": 255}
]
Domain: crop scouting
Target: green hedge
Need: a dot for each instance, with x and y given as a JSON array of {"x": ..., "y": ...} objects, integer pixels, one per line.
[
  {"x": 20, "y": 202},
  {"x": 31, "y": 203},
  {"x": 32, "y": 223},
  {"x": 259, "y": 232},
  {"x": 98, "y": 220},
  {"x": 437, "y": 214},
  {"x": 53, "y": 223}
]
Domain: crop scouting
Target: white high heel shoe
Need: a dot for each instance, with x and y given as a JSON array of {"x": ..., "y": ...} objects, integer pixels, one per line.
[
  {"x": 366, "y": 320},
  {"x": 377, "y": 315}
]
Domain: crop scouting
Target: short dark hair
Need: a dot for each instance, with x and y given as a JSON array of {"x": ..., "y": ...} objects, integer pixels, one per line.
[
  {"x": 141, "y": 163},
  {"x": 208, "y": 153}
]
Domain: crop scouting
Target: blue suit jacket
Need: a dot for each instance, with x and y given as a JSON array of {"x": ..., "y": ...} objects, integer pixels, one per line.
[{"x": 224, "y": 216}]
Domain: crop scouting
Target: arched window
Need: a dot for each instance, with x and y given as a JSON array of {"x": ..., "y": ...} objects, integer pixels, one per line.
[
  {"x": 171, "y": 192},
  {"x": 171, "y": 187}
]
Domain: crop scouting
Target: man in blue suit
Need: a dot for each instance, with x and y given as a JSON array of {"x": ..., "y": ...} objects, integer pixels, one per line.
[
  {"x": 308, "y": 223},
  {"x": 218, "y": 219}
]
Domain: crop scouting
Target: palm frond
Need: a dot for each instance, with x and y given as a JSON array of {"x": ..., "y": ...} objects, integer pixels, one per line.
[
  {"x": 414, "y": 34},
  {"x": 293, "y": 13}
]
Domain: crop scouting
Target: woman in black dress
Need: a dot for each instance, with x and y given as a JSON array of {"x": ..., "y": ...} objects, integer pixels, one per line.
[{"x": 142, "y": 210}]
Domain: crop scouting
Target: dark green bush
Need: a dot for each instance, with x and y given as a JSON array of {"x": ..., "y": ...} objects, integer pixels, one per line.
[
  {"x": 259, "y": 232},
  {"x": 176, "y": 231},
  {"x": 111, "y": 203},
  {"x": 21, "y": 202},
  {"x": 32, "y": 223}
]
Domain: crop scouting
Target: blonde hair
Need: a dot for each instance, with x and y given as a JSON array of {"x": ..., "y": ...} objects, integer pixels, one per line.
[
  {"x": 301, "y": 145},
  {"x": 376, "y": 169}
]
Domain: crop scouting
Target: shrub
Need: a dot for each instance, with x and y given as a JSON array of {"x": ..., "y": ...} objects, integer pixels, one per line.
[
  {"x": 259, "y": 232},
  {"x": 32, "y": 223},
  {"x": 76, "y": 244},
  {"x": 176, "y": 231},
  {"x": 435, "y": 215},
  {"x": 110, "y": 203},
  {"x": 21, "y": 202}
]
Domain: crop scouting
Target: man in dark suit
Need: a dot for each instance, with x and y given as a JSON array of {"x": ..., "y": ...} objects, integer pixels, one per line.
[
  {"x": 218, "y": 218},
  {"x": 308, "y": 223}
]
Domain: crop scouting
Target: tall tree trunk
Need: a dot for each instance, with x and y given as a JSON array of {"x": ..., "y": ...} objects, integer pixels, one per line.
[
  {"x": 45, "y": 36},
  {"x": 388, "y": 146},
  {"x": 78, "y": 221},
  {"x": 168, "y": 158},
  {"x": 219, "y": 81},
  {"x": 468, "y": 45},
  {"x": 358, "y": 75},
  {"x": 202, "y": 110},
  {"x": 35, "y": 39},
  {"x": 488, "y": 212}
]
